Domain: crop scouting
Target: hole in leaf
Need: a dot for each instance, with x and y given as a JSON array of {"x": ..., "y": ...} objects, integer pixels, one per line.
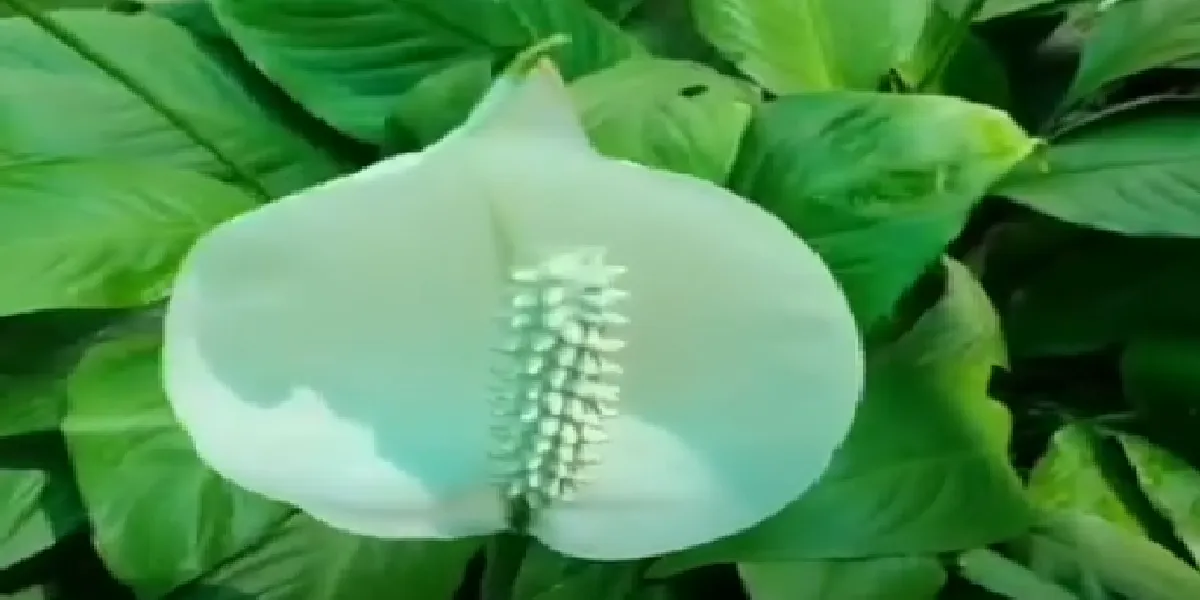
[{"x": 692, "y": 91}]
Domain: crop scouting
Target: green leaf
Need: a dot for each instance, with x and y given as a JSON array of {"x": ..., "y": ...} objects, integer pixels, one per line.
[
  {"x": 1138, "y": 177},
  {"x": 674, "y": 115},
  {"x": 925, "y": 468},
  {"x": 1125, "y": 563},
  {"x": 1068, "y": 478},
  {"x": 547, "y": 575},
  {"x": 93, "y": 234},
  {"x": 887, "y": 578},
  {"x": 29, "y": 405},
  {"x": 1003, "y": 577},
  {"x": 160, "y": 518},
  {"x": 40, "y": 507},
  {"x": 57, "y": 104},
  {"x": 878, "y": 184},
  {"x": 616, "y": 10},
  {"x": 1131, "y": 36},
  {"x": 794, "y": 46},
  {"x": 1000, "y": 8},
  {"x": 973, "y": 71},
  {"x": 352, "y": 62},
  {"x": 1161, "y": 375},
  {"x": 1172, "y": 486},
  {"x": 1069, "y": 305},
  {"x": 306, "y": 560}
]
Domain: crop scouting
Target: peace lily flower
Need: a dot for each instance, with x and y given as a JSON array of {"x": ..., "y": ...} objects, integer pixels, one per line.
[{"x": 508, "y": 331}]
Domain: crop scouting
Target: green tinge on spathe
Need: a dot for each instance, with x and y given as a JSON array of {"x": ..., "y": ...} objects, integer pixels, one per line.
[{"x": 339, "y": 349}]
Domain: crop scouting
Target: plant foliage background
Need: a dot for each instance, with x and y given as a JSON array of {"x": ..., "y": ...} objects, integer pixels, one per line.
[{"x": 1033, "y": 319}]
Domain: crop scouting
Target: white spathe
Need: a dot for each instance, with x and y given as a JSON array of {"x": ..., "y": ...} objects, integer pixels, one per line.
[{"x": 336, "y": 349}]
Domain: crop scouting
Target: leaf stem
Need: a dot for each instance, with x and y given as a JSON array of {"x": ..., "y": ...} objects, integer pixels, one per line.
[
  {"x": 76, "y": 44},
  {"x": 506, "y": 551},
  {"x": 950, "y": 45}
]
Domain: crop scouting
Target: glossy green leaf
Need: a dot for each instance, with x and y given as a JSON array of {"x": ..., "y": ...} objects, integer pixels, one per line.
[
  {"x": 878, "y": 184},
  {"x": 925, "y": 468},
  {"x": 1131, "y": 36},
  {"x": 1172, "y": 486},
  {"x": 887, "y": 578},
  {"x": 97, "y": 234},
  {"x": 160, "y": 518},
  {"x": 352, "y": 62},
  {"x": 674, "y": 115},
  {"x": 792, "y": 46},
  {"x": 1135, "y": 176},
  {"x": 40, "y": 507},
  {"x": 305, "y": 560},
  {"x": 57, "y": 104}
]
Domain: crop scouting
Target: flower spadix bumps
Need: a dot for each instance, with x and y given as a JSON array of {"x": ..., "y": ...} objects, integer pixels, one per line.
[{"x": 509, "y": 330}]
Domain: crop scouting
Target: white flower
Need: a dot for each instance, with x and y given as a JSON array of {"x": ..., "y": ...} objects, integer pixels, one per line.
[{"x": 507, "y": 321}]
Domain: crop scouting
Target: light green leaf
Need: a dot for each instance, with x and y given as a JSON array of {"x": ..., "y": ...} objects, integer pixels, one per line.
[
  {"x": 93, "y": 234},
  {"x": 160, "y": 518},
  {"x": 1068, "y": 478},
  {"x": 794, "y": 46},
  {"x": 58, "y": 104},
  {"x": 674, "y": 115},
  {"x": 1125, "y": 563},
  {"x": 351, "y": 62},
  {"x": 887, "y": 578},
  {"x": 1004, "y": 577},
  {"x": 305, "y": 560},
  {"x": 1132, "y": 36},
  {"x": 878, "y": 184},
  {"x": 1171, "y": 485},
  {"x": 40, "y": 507},
  {"x": 925, "y": 468},
  {"x": 1137, "y": 177}
]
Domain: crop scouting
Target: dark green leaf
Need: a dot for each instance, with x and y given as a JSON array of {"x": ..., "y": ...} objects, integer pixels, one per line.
[
  {"x": 160, "y": 518},
  {"x": 1069, "y": 304},
  {"x": 98, "y": 234},
  {"x": 794, "y": 46},
  {"x": 546, "y": 575},
  {"x": 925, "y": 468},
  {"x": 57, "y": 104},
  {"x": 888, "y": 578},
  {"x": 879, "y": 184},
  {"x": 352, "y": 62},
  {"x": 673, "y": 115},
  {"x": 305, "y": 560},
  {"x": 615, "y": 9}
]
